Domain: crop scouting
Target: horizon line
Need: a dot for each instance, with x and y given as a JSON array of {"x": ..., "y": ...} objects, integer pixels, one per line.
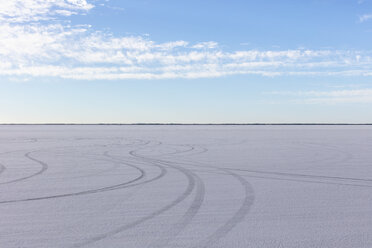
[{"x": 188, "y": 124}]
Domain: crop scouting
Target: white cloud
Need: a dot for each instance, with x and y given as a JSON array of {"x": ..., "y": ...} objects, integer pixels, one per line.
[
  {"x": 17, "y": 11},
  {"x": 206, "y": 45},
  {"x": 31, "y": 47},
  {"x": 365, "y": 17}
]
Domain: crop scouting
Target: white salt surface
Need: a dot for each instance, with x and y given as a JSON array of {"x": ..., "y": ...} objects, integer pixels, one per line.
[{"x": 185, "y": 186}]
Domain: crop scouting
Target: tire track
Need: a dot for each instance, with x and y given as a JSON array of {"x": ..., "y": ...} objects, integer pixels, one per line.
[
  {"x": 232, "y": 222},
  {"x": 187, "y": 217},
  {"x": 177, "y": 228},
  {"x": 179, "y": 199},
  {"x": 191, "y": 212},
  {"x": 288, "y": 179},
  {"x": 237, "y": 217},
  {"x": 188, "y": 152},
  {"x": 308, "y": 181},
  {"x": 115, "y": 165},
  {"x": 43, "y": 168},
  {"x": 92, "y": 191},
  {"x": 303, "y": 175},
  {"x": 2, "y": 168},
  {"x": 176, "y": 152}
]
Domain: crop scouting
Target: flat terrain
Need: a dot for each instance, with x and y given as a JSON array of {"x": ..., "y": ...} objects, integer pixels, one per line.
[{"x": 186, "y": 186}]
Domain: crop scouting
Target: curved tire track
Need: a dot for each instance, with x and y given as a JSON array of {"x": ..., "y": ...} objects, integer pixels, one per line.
[
  {"x": 92, "y": 191},
  {"x": 187, "y": 217},
  {"x": 232, "y": 222},
  {"x": 237, "y": 217},
  {"x": 192, "y": 183},
  {"x": 44, "y": 167},
  {"x": 2, "y": 168}
]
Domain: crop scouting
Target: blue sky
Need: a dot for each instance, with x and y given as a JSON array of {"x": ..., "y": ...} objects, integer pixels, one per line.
[{"x": 185, "y": 61}]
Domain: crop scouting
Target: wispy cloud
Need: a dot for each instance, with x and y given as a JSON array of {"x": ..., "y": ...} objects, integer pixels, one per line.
[
  {"x": 32, "y": 46},
  {"x": 329, "y": 97},
  {"x": 20, "y": 11},
  {"x": 206, "y": 45},
  {"x": 365, "y": 17}
]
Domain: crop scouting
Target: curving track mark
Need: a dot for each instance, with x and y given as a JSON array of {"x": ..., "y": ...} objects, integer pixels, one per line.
[
  {"x": 237, "y": 217},
  {"x": 196, "y": 151},
  {"x": 177, "y": 152},
  {"x": 191, "y": 151},
  {"x": 44, "y": 167},
  {"x": 304, "y": 175},
  {"x": 309, "y": 181},
  {"x": 179, "y": 199},
  {"x": 2, "y": 168},
  {"x": 289, "y": 179},
  {"x": 188, "y": 216},
  {"x": 92, "y": 191},
  {"x": 191, "y": 212},
  {"x": 111, "y": 168},
  {"x": 193, "y": 181},
  {"x": 233, "y": 221}
]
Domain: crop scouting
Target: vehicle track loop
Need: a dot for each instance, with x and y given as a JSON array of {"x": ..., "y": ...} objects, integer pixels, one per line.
[
  {"x": 92, "y": 191},
  {"x": 192, "y": 183},
  {"x": 187, "y": 217},
  {"x": 44, "y": 167},
  {"x": 238, "y": 215}
]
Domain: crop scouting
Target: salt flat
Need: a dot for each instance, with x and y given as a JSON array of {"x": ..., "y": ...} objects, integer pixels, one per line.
[{"x": 185, "y": 186}]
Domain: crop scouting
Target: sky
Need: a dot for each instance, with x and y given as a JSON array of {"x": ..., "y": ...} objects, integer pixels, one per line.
[{"x": 162, "y": 61}]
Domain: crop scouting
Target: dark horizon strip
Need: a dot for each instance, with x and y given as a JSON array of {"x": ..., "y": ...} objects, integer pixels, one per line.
[{"x": 187, "y": 124}]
